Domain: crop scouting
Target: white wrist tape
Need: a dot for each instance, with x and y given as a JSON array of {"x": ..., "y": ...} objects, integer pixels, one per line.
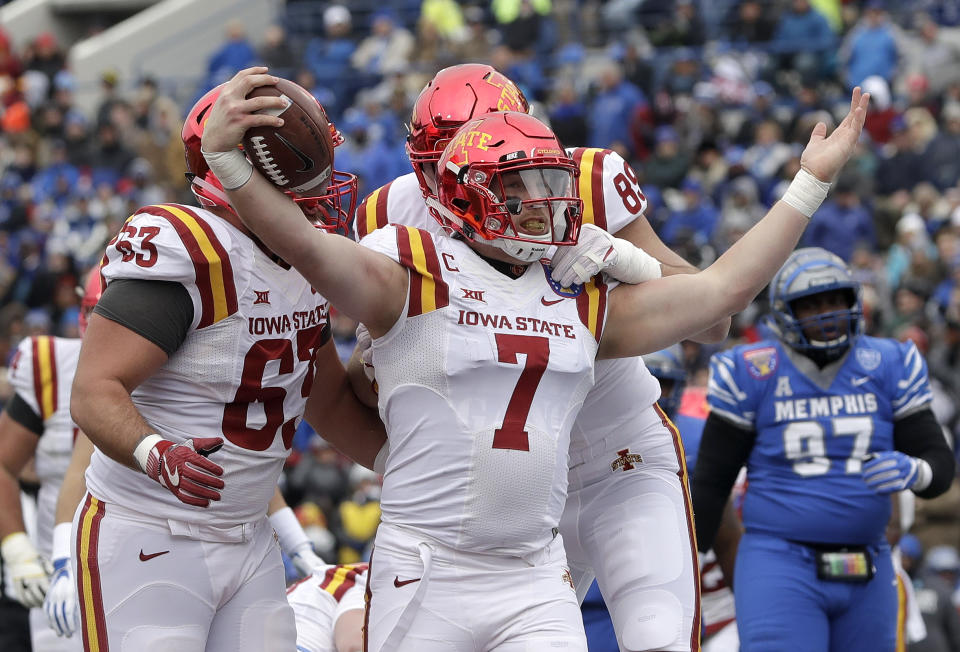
[
  {"x": 924, "y": 476},
  {"x": 231, "y": 167},
  {"x": 61, "y": 541},
  {"x": 806, "y": 193},
  {"x": 142, "y": 451},
  {"x": 289, "y": 530},
  {"x": 380, "y": 464},
  {"x": 634, "y": 265}
]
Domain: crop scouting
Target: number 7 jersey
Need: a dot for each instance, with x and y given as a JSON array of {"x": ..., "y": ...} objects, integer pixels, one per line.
[
  {"x": 480, "y": 380},
  {"x": 243, "y": 372}
]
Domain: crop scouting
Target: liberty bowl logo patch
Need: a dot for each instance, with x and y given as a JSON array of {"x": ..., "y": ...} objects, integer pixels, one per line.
[
  {"x": 868, "y": 359},
  {"x": 761, "y": 363},
  {"x": 573, "y": 291}
]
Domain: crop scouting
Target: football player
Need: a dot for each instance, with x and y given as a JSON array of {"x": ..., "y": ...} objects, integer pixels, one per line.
[
  {"x": 329, "y": 608},
  {"x": 36, "y": 423},
  {"x": 828, "y": 422},
  {"x": 197, "y": 364},
  {"x": 476, "y": 344},
  {"x": 619, "y": 414}
]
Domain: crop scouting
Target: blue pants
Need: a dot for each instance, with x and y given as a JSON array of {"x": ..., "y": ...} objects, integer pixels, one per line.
[{"x": 783, "y": 607}]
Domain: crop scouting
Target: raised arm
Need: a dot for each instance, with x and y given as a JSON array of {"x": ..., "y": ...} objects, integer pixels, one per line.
[
  {"x": 647, "y": 317},
  {"x": 363, "y": 284}
]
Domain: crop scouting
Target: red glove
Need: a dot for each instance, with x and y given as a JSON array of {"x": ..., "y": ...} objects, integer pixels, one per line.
[{"x": 185, "y": 470}]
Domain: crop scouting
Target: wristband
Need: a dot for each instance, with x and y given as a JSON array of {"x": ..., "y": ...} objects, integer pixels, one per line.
[
  {"x": 231, "y": 168},
  {"x": 806, "y": 193},
  {"x": 634, "y": 265},
  {"x": 289, "y": 530},
  {"x": 142, "y": 451},
  {"x": 61, "y": 540}
]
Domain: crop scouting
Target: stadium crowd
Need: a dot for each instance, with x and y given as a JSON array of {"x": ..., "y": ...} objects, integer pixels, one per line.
[{"x": 710, "y": 102}]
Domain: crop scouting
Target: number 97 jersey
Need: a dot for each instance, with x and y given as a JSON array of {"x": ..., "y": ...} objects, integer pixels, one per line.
[
  {"x": 813, "y": 429},
  {"x": 243, "y": 371}
]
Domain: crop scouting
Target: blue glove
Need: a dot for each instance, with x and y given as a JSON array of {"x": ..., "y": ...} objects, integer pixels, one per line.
[
  {"x": 60, "y": 604},
  {"x": 887, "y": 472}
]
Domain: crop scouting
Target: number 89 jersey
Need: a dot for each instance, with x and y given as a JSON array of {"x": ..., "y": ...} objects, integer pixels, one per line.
[
  {"x": 243, "y": 372},
  {"x": 804, "y": 478},
  {"x": 480, "y": 380}
]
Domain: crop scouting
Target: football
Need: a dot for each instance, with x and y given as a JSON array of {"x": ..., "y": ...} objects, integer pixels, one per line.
[{"x": 297, "y": 157}]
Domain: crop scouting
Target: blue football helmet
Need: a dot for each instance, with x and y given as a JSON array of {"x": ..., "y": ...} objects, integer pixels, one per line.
[
  {"x": 810, "y": 271},
  {"x": 667, "y": 366}
]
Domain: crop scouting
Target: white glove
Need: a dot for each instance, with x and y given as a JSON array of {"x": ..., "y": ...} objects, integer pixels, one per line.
[
  {"x": 27, "y": 573},
  {"x": 365, "y": 345},
  {"x": 597, "y": 251},
  {"x": 61, "y": 604},
  {"x": 306, "y": 561}
]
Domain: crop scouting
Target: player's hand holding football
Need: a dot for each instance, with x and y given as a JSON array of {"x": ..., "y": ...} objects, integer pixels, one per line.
[
  {"x": 26, "y": 573},
  {"x": 597, "y": 251},
  {"x": 233, "y": 114},
  {"x": 824, "y": 156},
  {"x": 183, "y": 468},
  {"x": 887, "y": 472}
]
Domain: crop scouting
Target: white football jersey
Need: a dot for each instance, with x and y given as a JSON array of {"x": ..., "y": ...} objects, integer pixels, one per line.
[
  {"x": 320, "y": 599},
  {"x": 243, "y": 372},
  {"x": 479, "y": 383},
  {"x": 612, "y": 199},
  {"x": 42, "y": 374}
]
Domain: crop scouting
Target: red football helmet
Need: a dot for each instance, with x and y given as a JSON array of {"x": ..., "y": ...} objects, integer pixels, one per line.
[
  {"x": 330, "y": 210},
  {"x": 454, "y": 96},
  {"x": 505, "y": 180},
  {"x": 91, "y": 294}
]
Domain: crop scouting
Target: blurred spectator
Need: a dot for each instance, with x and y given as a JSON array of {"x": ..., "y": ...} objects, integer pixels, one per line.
[
  {"x": 609, "y": 115},
  {"x": 768, "y": 152},
  {"x": 277, "y": 53},
  {"x": 842, "y": 222},
  {"x": 882, "y": 112},
  {"x": 328, "y": 59},
  {"x": 387, "y": 49},
  {"x": 109, "y": 96},
  {"x": 446, "y": 17},
  {"x": 668, "y": 165},
  {"x": 741, "y": 209},
  {"x": 682, "y": 27},
  {"x": 804, "y": 41},
  {"x": 234, "y": 55},
  {"x": 523, "y": 24},
  {"x": 911, "y": 237},
  {"x": 936, "y": 57},
  {"x": 870, "y": 48},
  {"x": 319, "y": 477},
  {"x": 941, "y": 159},
  {"x": 749, "y": 22},
  {"x": 109, "y": 156},
  {"x": 45, "y": 55},
  {"x": 568, "y": 114},
  {"x": 10, "y": 64},
  {"x": 901, "y": 164},
  {"x": 933, "y": 597},
  {"x": 359, "y": 515},
  {"x": 696, "y": 218}
]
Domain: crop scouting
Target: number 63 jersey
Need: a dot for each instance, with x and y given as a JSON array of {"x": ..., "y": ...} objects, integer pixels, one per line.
[
  {"x": 813, "y": 429},
  {"x": 243, "y": 372},
  {"x": 480, "y": 380}
]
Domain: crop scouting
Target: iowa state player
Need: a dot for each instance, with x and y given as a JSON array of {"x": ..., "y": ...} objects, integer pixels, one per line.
[
  {"x": 204, "y": 343},
  {"x": 654, "y": 606},
  {"x": 828, "y": 422},
  {"x": 329, "y": 607},
  {"x": 479, "y": 413}
]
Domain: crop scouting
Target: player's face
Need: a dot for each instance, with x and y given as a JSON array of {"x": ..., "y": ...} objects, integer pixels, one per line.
[
  {"x": 815, "y": 305},
  {"x": 522, "y": 189}
]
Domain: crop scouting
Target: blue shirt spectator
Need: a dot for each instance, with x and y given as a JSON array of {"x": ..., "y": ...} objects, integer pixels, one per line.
[
  {"x": 842, "y": 223},
  {"x": 870, "y": 48},
  {"x": 696, "y": 220},
  {"x": 609, "y": 115},
  {"x": 234, "y": 55}
]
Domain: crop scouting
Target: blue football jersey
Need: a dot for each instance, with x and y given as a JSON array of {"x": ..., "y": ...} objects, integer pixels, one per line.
[{"x": 813, "y": 429}]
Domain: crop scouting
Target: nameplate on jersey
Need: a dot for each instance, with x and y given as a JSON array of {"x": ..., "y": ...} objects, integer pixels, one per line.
[{"x": 844, "y": 565}]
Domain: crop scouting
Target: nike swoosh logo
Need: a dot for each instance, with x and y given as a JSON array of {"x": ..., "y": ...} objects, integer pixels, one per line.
[
  {"x": 174, "y": 477},
  {"x": 856, "y": 382},
  {"x": 304, "y": 159},
  {"x": 397, "y": 583},
  {"x": 144, "y": 557},
  {"x": 544, "y": 301}
]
